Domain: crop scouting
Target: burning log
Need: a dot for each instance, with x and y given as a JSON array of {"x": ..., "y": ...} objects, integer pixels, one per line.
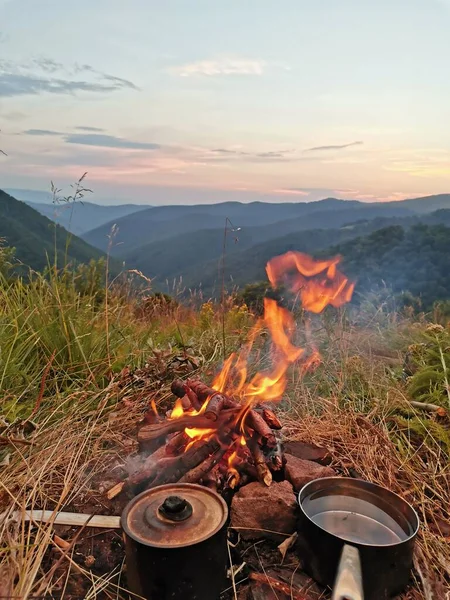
[
  {"x": 262, "y": 470},
  {"x": 216, "y": 404},
  {"x": 177, "y": 444},
  {"x": 181, "y": 389},
  {"x": 181, "y": 465},
  {"x": 256, "y": 422},
  {"x": 195, "y": 402},
  {"x": 202, "y": 470},
  {"x": 151, "y": 432},
  {"x": 202, "y": 391},
  {"x": 271, "y": 418}
]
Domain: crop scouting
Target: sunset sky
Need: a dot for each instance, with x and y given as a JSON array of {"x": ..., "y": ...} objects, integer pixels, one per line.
[{"x": 205, "y": 100}]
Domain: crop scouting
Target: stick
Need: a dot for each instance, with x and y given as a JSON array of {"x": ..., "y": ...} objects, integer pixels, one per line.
[
  {"x": 193, "y": 398},
  {"x": 151, "y": 432},
  {"x": 264, "y": 475},
  {"x": 203, "y": 468},
  {"x": 180, "y": 465},
  {"x": 271, "y": 418},
  {"x": 256, "y": 422},
  {"x": 215, "y": 405},
  {"x": 65, "y": 518},
  {"x": 430, "y": 407},
  {"x": 275, "y": 584},
  {"x": 115, "y": 490}
]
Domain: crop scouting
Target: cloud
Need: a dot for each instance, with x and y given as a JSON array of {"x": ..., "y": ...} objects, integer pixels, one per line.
[
  {"x": 224, "y": 66},
  {"x": 335, "y": 147},
  {"x": 85, "y": 128},
  {"x": 38, "y": 76},
  {"x": 271, "y": 155},
  {"x": 291, "y": 192},
  {"x": 108, "y": 141},
  {"x": 43, "y": 132}
]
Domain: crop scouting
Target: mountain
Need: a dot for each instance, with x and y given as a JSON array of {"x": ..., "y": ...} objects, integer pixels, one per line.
[
  {"x": 163, "y": 222},
  {"x": 80, "y": 217},
  {"x": 427, "y": 204},
  {"x": 176, "y": 250},
  {"x": 245, "y": 260},
  {"x": 34, "y": 236}
]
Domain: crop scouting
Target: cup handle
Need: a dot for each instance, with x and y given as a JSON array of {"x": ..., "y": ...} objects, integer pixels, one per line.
[{"x": 348, "y": 582}]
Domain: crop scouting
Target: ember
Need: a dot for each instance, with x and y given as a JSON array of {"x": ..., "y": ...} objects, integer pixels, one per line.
[{"x": 226, "y": 434}]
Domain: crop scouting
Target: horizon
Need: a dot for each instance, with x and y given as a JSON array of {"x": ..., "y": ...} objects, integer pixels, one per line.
[
  {"x": 167, "y": 104},
  {"x": 45, "y": 197}
]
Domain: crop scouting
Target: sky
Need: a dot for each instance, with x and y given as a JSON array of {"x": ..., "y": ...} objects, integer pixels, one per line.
[{"x": 187, "y": 101}]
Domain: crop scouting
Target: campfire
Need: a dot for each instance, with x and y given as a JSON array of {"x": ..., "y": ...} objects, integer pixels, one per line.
[{"x": 227, "y": 434}]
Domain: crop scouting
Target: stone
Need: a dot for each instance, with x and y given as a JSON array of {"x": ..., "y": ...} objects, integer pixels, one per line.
[
  {"x": 258, "y": 511},
  {"x": 299, "y": 472},
  {"x": 308, "y": 451}
]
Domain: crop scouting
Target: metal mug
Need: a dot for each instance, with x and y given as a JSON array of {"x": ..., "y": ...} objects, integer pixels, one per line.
[{"x": 357, "y": 537}]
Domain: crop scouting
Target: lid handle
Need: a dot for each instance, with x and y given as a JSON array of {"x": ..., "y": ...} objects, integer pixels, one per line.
[{"x": 175, "y": 508}]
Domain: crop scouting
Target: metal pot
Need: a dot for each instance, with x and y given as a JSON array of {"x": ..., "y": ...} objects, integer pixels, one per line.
[
  {"x": 358, "y": 536},
  {"x": 176, "y": 543}
]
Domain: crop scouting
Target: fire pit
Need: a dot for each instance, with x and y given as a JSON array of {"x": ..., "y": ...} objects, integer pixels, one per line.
[{"x": 226, "y": 434}]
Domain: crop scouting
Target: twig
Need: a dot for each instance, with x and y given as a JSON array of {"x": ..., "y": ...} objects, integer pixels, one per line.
[
  {"x": 233, "y": 582},
  {"x": 275, "y": 584},
  {"x": 429, "y": 407},
  {"x": 42, "y": 386}
]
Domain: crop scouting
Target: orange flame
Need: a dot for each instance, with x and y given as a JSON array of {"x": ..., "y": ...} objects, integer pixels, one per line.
[
  {"x": 178, "y": 410},
  {"x": 233, "y": 473},
  {"x": 197, "y": 434},
  {"x": 330, "y": 286},
  {"x": 319, "y": 284},
  {"x": 154, "y": 409}
]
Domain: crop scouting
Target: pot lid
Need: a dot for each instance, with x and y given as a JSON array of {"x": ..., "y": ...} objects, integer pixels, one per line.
[{"x": 174, "y": 515}]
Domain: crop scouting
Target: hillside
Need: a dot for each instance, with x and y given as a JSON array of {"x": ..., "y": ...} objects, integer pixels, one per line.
[
  {"x": 411, "y": 260},
  {"x": 427, "y": 203},
  {"x": 153, "y": 224},
  {"x": 246, "y": 263},
  {"x": 162, "y": 257},
  {"x": 166, "y": 221},
  {"x": 34, "y": 236},
  {"x": 80, "y": 217}
]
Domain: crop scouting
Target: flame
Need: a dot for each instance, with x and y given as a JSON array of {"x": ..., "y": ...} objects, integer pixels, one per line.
[
  {"x": 154, "y": 409},
  {"x": 233, "y": 473},
  {"x": 319, "y": 284},
  {"x": 220, "y": 382},
  {"x": 197, "y": 434},
  {"x": 330, "y": 286},
  {"x": 242, "y": 441},
  {"x": 178, "y": 410}
]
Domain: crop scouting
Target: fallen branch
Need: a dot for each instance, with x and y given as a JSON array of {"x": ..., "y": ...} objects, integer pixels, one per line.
[
  {"x": 64, "y": 518},
  {"x": 429, "y": 407}
]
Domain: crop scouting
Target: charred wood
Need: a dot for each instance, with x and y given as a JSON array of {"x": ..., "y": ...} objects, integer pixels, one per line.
[{"x": 262, "y": 470}]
